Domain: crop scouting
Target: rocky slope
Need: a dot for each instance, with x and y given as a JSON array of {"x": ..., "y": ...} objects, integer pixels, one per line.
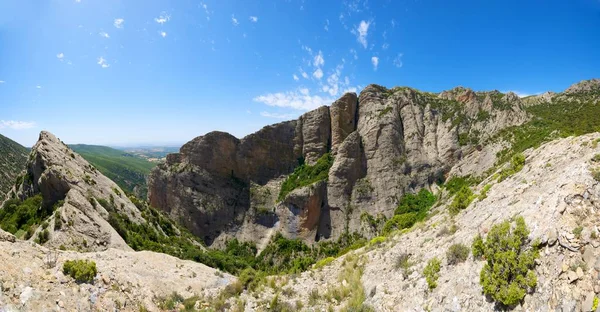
[
  {"x": 32, "y": 279},
  {"x": 76, "y": 193},
  {"x": 556, "y": 194},
  {"x": 12, "y": 160},
  {"x": 385, "y": 142}
]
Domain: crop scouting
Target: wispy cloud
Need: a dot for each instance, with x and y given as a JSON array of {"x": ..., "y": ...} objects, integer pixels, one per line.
[
  {"x": 102, "y": 62},
  {"x": 119, "y": 23},
  {"x": 278, "y": 116},
  {"x": 326, "y": 27},
  {"x": 163, "y": 18},
  {"x": 254, "y": 19},
  {"x": 295, "y": 77},
  {"x": 362, "y": 31},
  {"x": 60, "y": 56},
  {"x": 38, "y": 87},
  {"x": 2, "y": 81},
  {"x": 304, "y": 74},
  {"x": 163, "y": 33},
  {"x": 398, "y": 60},
  {"x": 375, "y": 62},
  {"x": 299, "y": 99},
  {"x": 234, "y": 20},
  {"x": 319, "y": 60},
  {"x": 16, "y": 125},
  {"x": 104, "y": 34}
]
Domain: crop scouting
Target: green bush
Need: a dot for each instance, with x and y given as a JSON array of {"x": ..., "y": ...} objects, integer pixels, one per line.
[
  {"x": 24, "y": 215},
  {"x": 508, "y": 273},
  {"x": 57, "y": 221},
  {"x": 461, "y": 200},
  {"x": 411, "y": 209},
  {"x": 477, "y": 247},
  {"x": 457, "y": 253},
  {"x": 305, "y": 175},
  {"x": 432, "y": 272},
  {"x": 83, "y": 271},
  {"x": 43, "y": 237}
]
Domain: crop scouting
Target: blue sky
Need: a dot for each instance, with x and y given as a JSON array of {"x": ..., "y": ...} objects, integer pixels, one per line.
[{"x": 163, "y": 72}]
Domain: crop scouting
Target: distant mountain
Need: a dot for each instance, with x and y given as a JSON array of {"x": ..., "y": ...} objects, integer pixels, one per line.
[
  {"x": 152, "y": 153},
  {"x": 127, "y": 170},
  {"x": 12, "y": 160}
]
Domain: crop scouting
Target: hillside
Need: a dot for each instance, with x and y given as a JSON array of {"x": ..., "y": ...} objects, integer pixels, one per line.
[
  {"x": 127, "y": 170},
  {"x": 12, "y": 160}
]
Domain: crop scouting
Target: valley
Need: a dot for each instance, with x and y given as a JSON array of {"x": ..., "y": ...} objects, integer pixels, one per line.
[{"x": 387, "y": 200}]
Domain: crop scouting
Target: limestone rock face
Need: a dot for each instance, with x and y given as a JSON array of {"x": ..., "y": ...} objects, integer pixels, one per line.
[
  {"x": 385, "y": 142},
  {"x": 69, "y": 183}
]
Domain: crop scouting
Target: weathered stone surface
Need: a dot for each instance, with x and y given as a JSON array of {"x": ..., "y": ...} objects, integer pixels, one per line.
[
  {"x": 6, "y": 237},
  {"x": 57, "y": 173},
  {"x": 343, "y": 119},
  {"x": 386, "y": 142}
]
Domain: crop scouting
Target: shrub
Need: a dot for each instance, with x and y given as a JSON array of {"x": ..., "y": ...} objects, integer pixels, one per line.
[
  {"x": 507, "y": 274},
  {"x": 461, "y": 200},
  {"x": 57, "y": 221},
  {"x": 83, "y": 271},
  {"x": 403, "y": 263},
  {"x": 305, "y": 175},
  {"x": 411, "y": 209},
  {"x": 596, "y": 158},
  {"x": 577, "y": 231},
  {"x": 457, "y": 253},
  {"x": 377, "y": 241},
  {"x": 323, "y": 262},
  {"x": 432, "y": 272},
  {"x": 596, "y": 174},
  {"x": 477, "y": 247},
  {"x": 484, "y": 191},
  {"x": 43, "y": 237}
]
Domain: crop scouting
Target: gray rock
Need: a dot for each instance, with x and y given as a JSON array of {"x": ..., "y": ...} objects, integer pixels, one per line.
[
  {"x": 572, "y": 276},
  {"x": 552, "y": 237},
  {"x": 589, "y": 257},
  {"x": 588, "y": 302}
]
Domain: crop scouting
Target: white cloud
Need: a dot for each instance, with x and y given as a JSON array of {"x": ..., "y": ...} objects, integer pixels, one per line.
[
  {"x": 361, "y": 32},
  {"x": 254, "y": 19},
  {"x": 385, "y": 46},
  {"x": 299, "y": 100},
  {"x": 319, "y": 60},
  {"x": 278, "y": 116},
  {"x": 119, "y": 22},
  {"x": 304, "y": 74},
  {"x": 353, "y": 52},
  {"x": 375, "y": 62},
  {"x": 318, "y": 73},
  {"x": 104, "y": 34},
  {"x": 398, "y": 60},
  {"x": 78, "y": 1},
  {"x": 163, "y": 18},
  {"x": 163, "y": 33},
  {"x": 2, "y": 81},
  {"x": 326, "y": 27},
  {"x": 60, "y": 56},
  {"x": 295, "y": 77},
  {"x": 102, "y": 62},
  {"x": 234, "y": 20},
  {"x": 205, "y": 7},
  {"x": 16, "y": 125}
]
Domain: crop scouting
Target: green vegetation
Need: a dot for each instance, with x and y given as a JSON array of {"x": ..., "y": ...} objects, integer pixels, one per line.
[
  {"x": 457, "y": 253},
  {"x": 127, "y": 170},
  {"x": 403, "y": 263},
  {"x": 461, "y": 200},
  {"x": 83, "y": 271},
  {"x": 577, "y": 231},
  {"x": 455, "y": 184},
  {"x": 43, "y": 237},
  {"x": 13, "y": 157},
  {"x": 516, "y": 164},
  {"x": 508, "y": 273},
  {"x": 432, "y": 272},
  {"x": 23, "y": 216},
  {"x": 572, "y": 115},
  {"x": 484, "y": 191},
  {"x": 305, "y": 175},
  {"x": 411, "y": 209}
]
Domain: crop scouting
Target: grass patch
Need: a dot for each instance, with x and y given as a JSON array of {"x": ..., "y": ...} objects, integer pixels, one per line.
[
  {"x": 432, "y": 272},
  {"x": 411, "y": 209}
]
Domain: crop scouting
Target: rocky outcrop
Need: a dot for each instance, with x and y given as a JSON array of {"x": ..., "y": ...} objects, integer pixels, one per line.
[
  {"x": 584, "y": 86},
  {"x": 385, "y": 142},
  {"x": 82, "y": 197}
]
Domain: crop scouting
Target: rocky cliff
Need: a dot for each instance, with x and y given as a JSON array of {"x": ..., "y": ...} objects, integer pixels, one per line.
[
  {"x": 75, "y": 192},
  {"x": 384, "y": 142},
  {"x": 12, "y": 160}
]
